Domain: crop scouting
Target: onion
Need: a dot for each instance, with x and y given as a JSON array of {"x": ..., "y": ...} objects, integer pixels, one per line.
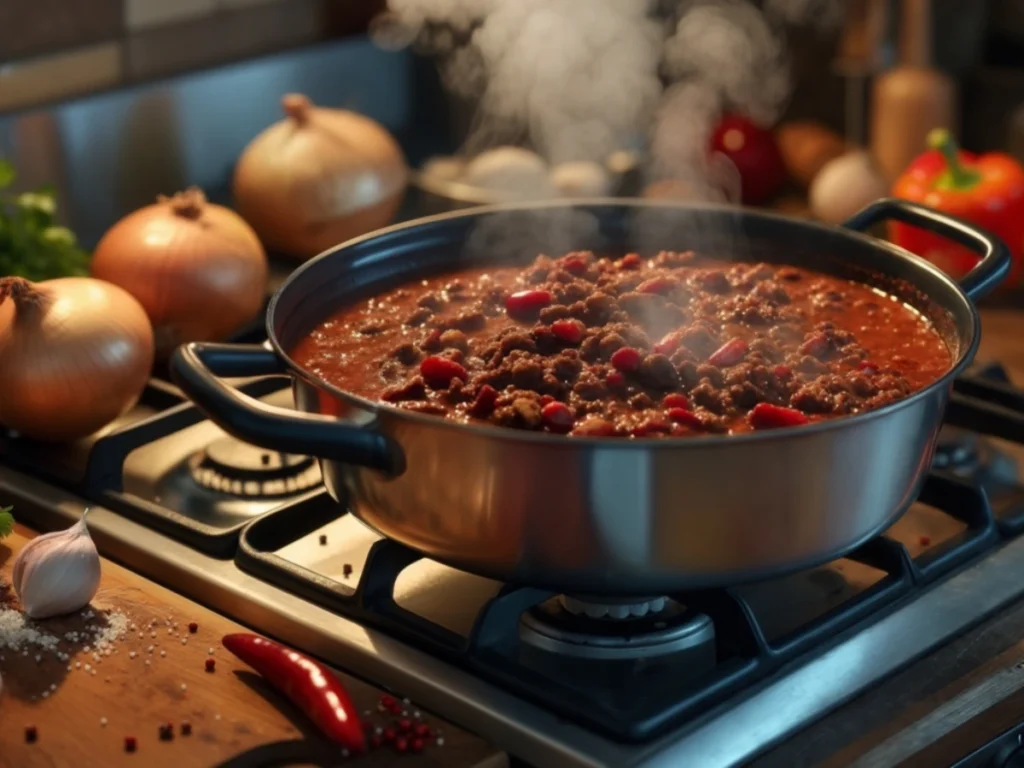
[
  {"x": 197, "y": 268},
  {"x": 76, "y": 353},
  {"x": 318, "y": 178}
]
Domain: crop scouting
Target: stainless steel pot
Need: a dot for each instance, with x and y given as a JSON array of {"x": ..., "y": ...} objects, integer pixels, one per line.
[{"x": 604, "y": 516}]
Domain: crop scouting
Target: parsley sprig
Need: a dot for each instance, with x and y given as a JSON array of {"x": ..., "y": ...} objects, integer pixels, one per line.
[
  {"x": 6, "y": 522},
  {"x": 32, "y": 245}
]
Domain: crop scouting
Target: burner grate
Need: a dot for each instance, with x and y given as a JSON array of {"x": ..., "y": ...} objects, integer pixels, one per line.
[{"x": 644, "y": 703}]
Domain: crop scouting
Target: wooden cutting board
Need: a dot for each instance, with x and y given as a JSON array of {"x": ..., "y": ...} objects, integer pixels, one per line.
[{"x": 236, "y": 719}]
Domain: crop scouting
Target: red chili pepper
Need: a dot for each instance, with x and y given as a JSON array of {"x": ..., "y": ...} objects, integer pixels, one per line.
[
  {"x": 307, "y": 684},
  {"x": 987, "y": 190}
]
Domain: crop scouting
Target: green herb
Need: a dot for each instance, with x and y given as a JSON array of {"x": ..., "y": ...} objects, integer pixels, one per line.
[
  {"x": 6, "y": 522},
  {"x": 32, "y": 245}
]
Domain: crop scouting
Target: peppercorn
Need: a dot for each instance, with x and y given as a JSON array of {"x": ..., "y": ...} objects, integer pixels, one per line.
[
  {"x": 401, "y": 744},
  {"x": 31, "y": 734},
  {"x": 210, "y": 664},
  {"x": 186, "y": 728},
  {"x": 193, "y": 627},
  {"x": 323, "y": 539},
  {"x": 130, "y": 743},
  {"x": 346, "y": 570},
  {"x": 166, "y": 732}
]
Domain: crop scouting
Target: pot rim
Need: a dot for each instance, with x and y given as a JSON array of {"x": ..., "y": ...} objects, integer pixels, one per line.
[{"x": 380, "y": 408}]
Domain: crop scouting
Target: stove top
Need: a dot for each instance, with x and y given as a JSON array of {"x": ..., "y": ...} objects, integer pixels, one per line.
[{"x": 706, "y": 678}]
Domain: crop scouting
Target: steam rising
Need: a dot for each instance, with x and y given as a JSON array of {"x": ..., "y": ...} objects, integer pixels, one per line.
[{"x": 578, "y": 79}]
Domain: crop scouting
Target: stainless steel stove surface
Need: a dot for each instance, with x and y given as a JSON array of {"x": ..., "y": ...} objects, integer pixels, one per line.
[{"x": 711, "y": 679}]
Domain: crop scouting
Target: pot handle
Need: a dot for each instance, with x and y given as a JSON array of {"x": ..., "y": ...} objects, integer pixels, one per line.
[
  {"x": 197, "y": 367},
  {"x": 995, "y": 256}
]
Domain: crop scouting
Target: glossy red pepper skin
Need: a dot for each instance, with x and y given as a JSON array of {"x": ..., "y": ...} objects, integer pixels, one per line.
[
  {"x": 307, "y": 684},
  {"x": 992, "y": 197}
]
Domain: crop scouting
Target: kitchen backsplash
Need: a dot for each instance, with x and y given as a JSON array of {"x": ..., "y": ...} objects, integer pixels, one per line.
[{"x": 59, "y": 49}]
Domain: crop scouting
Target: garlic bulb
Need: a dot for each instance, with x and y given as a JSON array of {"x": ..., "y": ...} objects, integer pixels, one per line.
[{"x": 57, "y": 573}]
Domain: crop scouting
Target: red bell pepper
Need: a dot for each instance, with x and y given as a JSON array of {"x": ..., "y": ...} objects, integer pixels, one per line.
[
  {"x": 307, "y": 684},
  {"x": 987, "y": 190}
]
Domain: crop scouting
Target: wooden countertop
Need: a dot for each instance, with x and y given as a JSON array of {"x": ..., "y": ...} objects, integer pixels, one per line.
[{"x": 236, "y": 719}]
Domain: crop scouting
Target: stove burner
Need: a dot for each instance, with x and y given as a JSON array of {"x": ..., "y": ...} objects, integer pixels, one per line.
[
  {"x": 233, "y": 467},
  {"x": 600, "y": 608},
  {"x": 956, "y": 449},
  {"x": 554, "y": 628}
]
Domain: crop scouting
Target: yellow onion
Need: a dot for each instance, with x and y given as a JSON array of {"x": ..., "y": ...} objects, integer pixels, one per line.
[
  {"x": 197, "y": 268},
  {"x": 318, "y": 178},
  {"x": 75, "y": 353}
]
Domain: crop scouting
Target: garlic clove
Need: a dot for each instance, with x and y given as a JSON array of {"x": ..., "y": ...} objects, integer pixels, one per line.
[{"x": 58, "y": 572}]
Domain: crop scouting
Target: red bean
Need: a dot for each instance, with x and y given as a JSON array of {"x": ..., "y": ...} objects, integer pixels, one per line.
[
  {"x": 439, "y": 371},
  {"x": 768, "y": 416},
  {"x": 416, "y": 745},
  {"x": 484, "y": 402},
  {"x": 729, "y": 353},
  {"x": 615, "y": 379},
  {"x": 405, "y": 725},
  {"x": 574, "y": 263},
  {"x": 557, "y": 417},
  {"x": 669, "y": 343},
  {"x": 545, "y": 399},
  {"x": 658, "y": 285},
  {"x": 783, "y": 371},
  {"x": 401, "y": 744},
  {"x": 630, "y": 261},
  {"x": 422, "y": 730},
  {"x": 815, "y": 346},
  {"x": 569, "y": 329},
  {"x": 676, "y": 400},
  {"x": 526, "y": 304},
  {"x": 626, "y": 359},
  {"x": 685, "y": 417},
  {"x": 867, "y": 367}
]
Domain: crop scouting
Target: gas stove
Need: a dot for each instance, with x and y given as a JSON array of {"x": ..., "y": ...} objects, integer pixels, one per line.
[{"x": 712, "y": 678}]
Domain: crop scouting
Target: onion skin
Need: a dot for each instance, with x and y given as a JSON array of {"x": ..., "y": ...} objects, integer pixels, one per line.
[
  {"x": 318, "y": 178},
  {"x": 76, "y": 353},
  {"x": 197, "y": 268}
]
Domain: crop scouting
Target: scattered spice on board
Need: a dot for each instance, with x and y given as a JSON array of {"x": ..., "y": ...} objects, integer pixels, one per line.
[{"x": 323, "y": 539}]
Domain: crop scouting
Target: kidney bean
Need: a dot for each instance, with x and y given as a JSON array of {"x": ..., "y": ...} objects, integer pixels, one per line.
[
  {"x": 729, "y": 353},
  {"x": 615, "y": 379},
  {"x": 569, "y": 330},
  {"x": 626, "y": 359},
  {"x": 676, "y": 400},
  {"x": 768, "y": 416},
  {"x": 575, "y": 263},
  {"x": 660, "y": 285},
  {"x": 685, "y": 417},
  {"x": 525, "y": 305},
  {"x": 439, "y": 371},
  {"x": 867, "y": 367},
  {"x": 630, "y": 261},
  {"x": 814, "y": 345},
  {"x": 782, "y": 371},
  {"x": 669, "y": 343},
  {"x": 558, "y": 417},
  {"x": 651, "y": 427}
]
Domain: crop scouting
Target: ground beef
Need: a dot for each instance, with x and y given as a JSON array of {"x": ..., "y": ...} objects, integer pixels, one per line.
[{"x": 678, "y": 344}]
